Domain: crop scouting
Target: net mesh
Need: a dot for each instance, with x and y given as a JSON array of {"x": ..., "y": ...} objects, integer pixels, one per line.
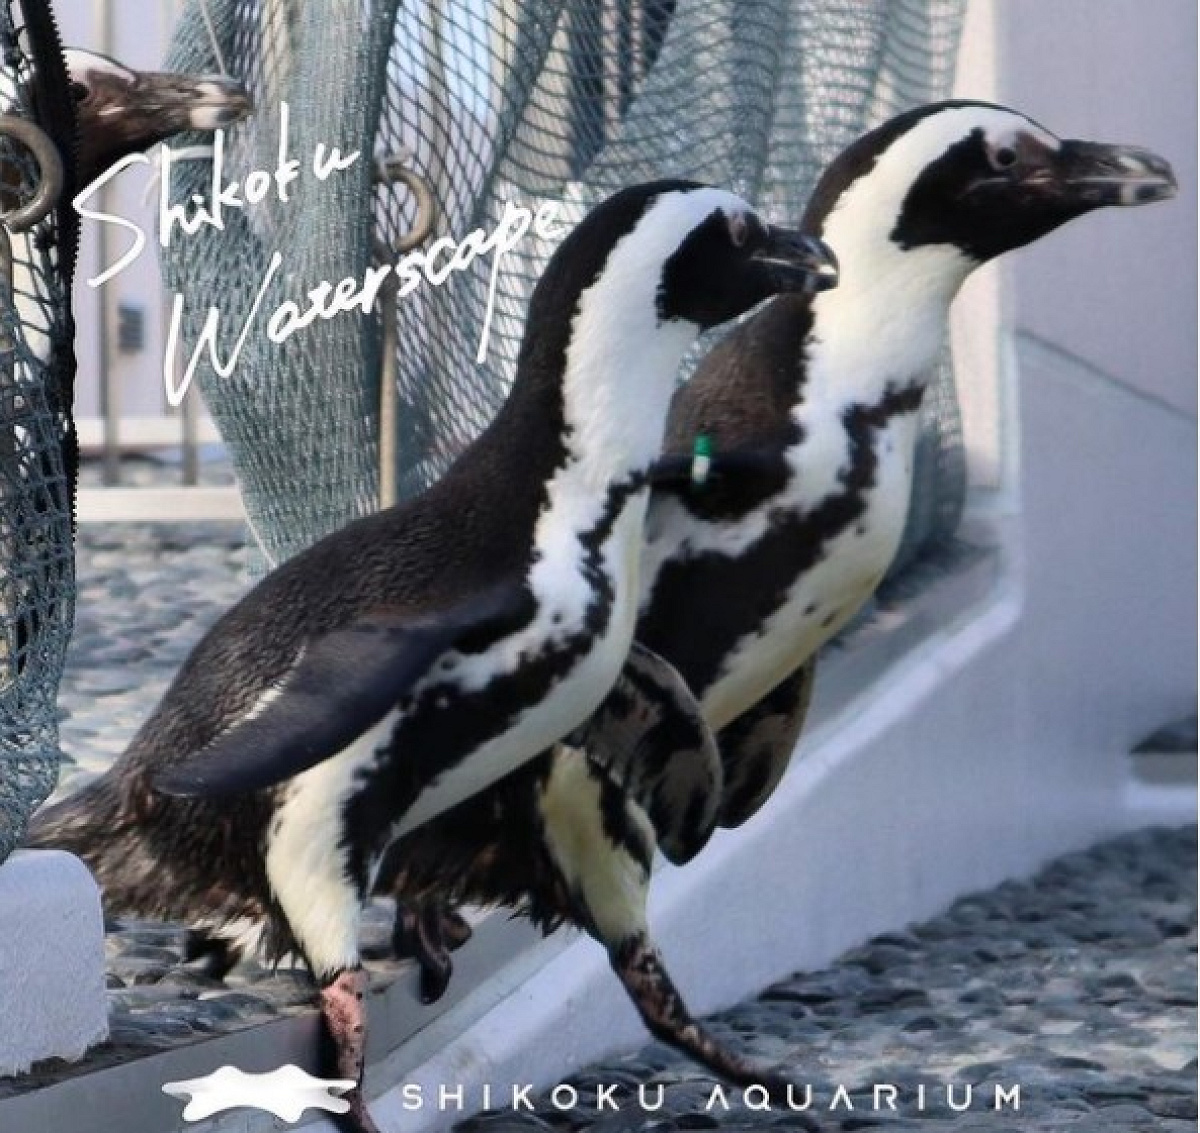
[
  {"x": 36, "y": 445},
  {"x": 496, "y": 101}
]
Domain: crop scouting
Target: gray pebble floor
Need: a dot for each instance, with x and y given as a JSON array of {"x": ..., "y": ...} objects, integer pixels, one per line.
[{"x": 1079, "y": 985}]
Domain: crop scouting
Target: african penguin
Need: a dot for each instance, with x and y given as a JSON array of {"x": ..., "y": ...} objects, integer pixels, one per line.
[
  {"x": 123, "y": 111},
  {"x": 813, "y": 401},
  {"x": 120, "y": 111},
  {"x": 415, "y": 656}
]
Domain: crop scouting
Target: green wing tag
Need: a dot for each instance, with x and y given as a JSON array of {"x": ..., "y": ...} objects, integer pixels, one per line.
[{"x": 701, "y": 458}]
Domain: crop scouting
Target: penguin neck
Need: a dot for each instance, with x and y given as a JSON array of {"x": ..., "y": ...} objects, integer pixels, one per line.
[
  {"x": 616, "y": 390},
  {"x": 885, "y": 324},
  {"x": 607, "y": 387}
]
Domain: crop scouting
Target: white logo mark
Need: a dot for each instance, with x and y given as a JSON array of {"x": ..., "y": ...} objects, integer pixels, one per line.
[{"x": 286, "y": 1092}]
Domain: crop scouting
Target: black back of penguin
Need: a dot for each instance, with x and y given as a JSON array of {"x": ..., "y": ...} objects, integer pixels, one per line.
[{"x": 474, "y": 527}]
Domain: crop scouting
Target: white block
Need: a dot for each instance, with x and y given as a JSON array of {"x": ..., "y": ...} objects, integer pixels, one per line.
[{"x": 52, "y": 1001}]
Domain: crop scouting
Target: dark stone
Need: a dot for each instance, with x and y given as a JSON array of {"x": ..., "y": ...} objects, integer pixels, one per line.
[
  {"x": 879, "y": 958},
  {"x": 1070, "y": 1062},
  {"x": 1106, "y": 1093},
  {"x": 1173, "y": 1105},
  {"x": 922, "y": 1023}
]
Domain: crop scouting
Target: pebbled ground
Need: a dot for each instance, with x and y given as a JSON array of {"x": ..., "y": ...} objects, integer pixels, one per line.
[{"x": 1078, "y": 985}]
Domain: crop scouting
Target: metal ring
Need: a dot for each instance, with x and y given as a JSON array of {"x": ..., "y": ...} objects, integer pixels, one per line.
[
  {"x": 50, "y": 170},
  {"x": 391, "y": 170}
]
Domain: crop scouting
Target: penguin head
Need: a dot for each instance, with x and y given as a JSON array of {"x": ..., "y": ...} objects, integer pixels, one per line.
[
  {"x": 729, "y": 259},
  {"x": 974, "y": 180},
  {"x": 693, "y": 256},
  {"x": 122, "y": 111}
]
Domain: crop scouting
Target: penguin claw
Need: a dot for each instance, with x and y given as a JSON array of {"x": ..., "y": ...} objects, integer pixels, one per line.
[
  {"x": 427, "y": 931},
  {"x": 456, "y": 931},
  {"x": 356, "y": 1119},
  {"x": 434, "y": 980},
  {"x": 217, "y": 957}
]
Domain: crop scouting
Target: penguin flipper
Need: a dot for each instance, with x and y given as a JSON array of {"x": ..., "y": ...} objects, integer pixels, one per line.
[
  {"x": 340, "y": 685},
  {"x": 757, "y": 746},
  {"x": 650, "y": 738},
  {"x": 757, "y": 469}
]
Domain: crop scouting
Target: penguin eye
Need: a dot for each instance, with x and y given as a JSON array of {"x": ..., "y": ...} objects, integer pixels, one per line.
[
  {"x": 79, "y": 92},
  {"x": 1004, "y": 158},
  {"x": 739, "y": 229}
]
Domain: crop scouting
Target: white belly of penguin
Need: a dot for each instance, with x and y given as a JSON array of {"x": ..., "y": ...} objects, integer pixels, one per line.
[
  {"x": 305, "y": 835},
  {"x": 826, "y": 596}
]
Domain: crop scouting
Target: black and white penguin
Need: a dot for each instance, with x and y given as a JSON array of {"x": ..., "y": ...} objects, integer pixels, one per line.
[
  {"x": 120, "y": 111},
  {"x": 413, "y": 657},
  {"x": 123, "y": 111},
  {"x": 815, "y": 400}
]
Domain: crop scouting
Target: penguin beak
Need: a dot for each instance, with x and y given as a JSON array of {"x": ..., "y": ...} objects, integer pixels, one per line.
[
  {"x": 1090, "y": 175},
  {"x": 192, "y": 102},
  {"x": 122, "y": 111},
  {"x": 796, "y": 262}
]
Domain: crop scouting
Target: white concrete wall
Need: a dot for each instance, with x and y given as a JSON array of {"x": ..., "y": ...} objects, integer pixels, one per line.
[{"x": 51, "y": 942}]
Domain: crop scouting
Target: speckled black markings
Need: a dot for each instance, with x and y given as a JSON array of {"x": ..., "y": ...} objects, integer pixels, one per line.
[
  {"x": 650, "y": 737},
  {"x": 1094, "y": 959},
  {"x": 757, "y": 747},
  {"x": 444, "y": 724},
  {"x": 755, "y": 583},
  {"x": 504, "y": 860},
  {"x": 203, "y": 859}
]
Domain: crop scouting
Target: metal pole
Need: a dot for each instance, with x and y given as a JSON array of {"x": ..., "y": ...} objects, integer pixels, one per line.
[
  {"x": 110, "y": 399},
  {"x": 190, "y": 410},
  {"x": 389, "y": 370},
  {"x": 9, "y": 470}
]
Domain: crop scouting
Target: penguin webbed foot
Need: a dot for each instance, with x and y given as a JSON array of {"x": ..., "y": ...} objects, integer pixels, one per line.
[
  {"x": 427, "y": 932},
  {"x": 639, "y": 966},
  {"x": 344, "y": 1042},
  {"x": 217, "y": 957}
]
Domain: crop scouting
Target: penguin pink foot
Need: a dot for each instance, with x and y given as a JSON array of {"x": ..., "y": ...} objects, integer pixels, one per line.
[
  {"x": 640, "y": 968},
  {"x": 344, "y": 1011}
]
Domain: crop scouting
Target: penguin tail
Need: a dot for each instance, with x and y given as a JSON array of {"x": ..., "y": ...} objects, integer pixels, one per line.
[
  {"x": 82, "y": 824},
  {"x": 94, "y": 825}
]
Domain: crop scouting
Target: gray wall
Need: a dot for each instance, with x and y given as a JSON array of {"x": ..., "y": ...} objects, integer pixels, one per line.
[
  {"x": 1104, "y": 314},
  {"x": 1116, "y": 290}
]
